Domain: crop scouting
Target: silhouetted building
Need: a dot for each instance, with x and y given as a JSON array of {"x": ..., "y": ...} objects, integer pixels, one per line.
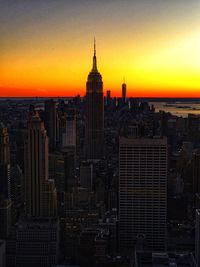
[
  {"x": 101, "y": 247},
  {"x": 196, "y": 172},
  {"x": 108, "y": 97},
  {"x": 197, "y": 238},
  {"x": 87, "y": 247},
  {"x": 194, "y": 127},
  {"x": 5, "y": 217},
  {"x": 4, "y": 163},
  {"x": 142, "y": 192},
  {"x": 124, "y": 92},
  {"x": 2, "y": 253},
  {"x": 69, "y": 135},
  {"x": 86, "y": 175},
  {"x": 69, "y": 160},
  {"x": 5, "y": 201},
  {"x": 51, "y": 122},
  {"x": 40, "y": 192},
  {"x": 37, "y": 243},
  {"x": 94, "y": 113}
]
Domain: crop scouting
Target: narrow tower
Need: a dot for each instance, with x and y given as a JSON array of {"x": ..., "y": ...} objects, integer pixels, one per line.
[
  {"x": 94, "y": 113},
  {"x": 124, "y": 92},
  {"x": 40, "y": 191},
  {"x": 4, "y": 162},
  {"x": 5, "y": 201}
]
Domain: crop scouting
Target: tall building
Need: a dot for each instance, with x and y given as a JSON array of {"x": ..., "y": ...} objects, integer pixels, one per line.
[
  {"x": 40, "y": 193},
  {"x": 51, "y": 122},
  {"x": 124, "y": 92},
  {"x": 2, "y": 253},
  {"x": 37, "y": 243},
  {"x": 94, "y": 113},
  {"x": 4, "y": 163},
  {"x": 196, "y": 172},
  {"x": 197, "y": 238},
  {"x": 69, "y": 135},
  {"x": 142, "y": 192},
  {"x": 86, "y": 175},
  {"x": 5, "y": 201},
  {"x": 5, "y": 217},
  {"x": 108, "y": 97}
]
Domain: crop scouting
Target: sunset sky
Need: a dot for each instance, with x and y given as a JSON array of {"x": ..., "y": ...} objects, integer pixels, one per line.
[{"x": 46, "y": 46}]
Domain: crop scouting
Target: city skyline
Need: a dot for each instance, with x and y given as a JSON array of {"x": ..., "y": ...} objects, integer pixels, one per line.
[{"x": 47, "y": 46}]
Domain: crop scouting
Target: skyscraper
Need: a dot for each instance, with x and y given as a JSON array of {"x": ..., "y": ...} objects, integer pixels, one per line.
[
  {"x": 196, "y": 172},
  {"x": 40, "y": 192},
  {"x": 108, "y": 97},
  {"x": 37, "y": 242},
  {"x": 5, "y": 201},
  {"x": 69, "y": 134},
  {"x": 124, "y": 92},
  {"x": 197, "y": 237},
  {"x": 4, "y": 163},
  {"x": 2, "y": 253},
  {"x": 94, "y": 113},
  {"x": 142, "y": 192},
  {"x": 51, "y": 122}
]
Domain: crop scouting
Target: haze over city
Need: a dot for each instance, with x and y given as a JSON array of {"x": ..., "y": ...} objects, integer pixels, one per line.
[{"x": 46, "y": 47}]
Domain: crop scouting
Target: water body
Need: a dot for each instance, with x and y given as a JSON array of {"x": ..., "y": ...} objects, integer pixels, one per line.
[{"x": 181, "y": 109}]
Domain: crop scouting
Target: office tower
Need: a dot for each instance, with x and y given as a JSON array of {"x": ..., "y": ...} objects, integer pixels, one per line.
[
  {"x": 69, "y": 135},
  {"x": 124, "y": 92},
  {"x": 197, "y": 238},
  {"x": 86, "y": 175},
  {"x": 108, "y": 97},
  {"x": 62, "y": 169},
  {"x": 4, "y": 163},
  {"x": 5, "y": 217},
  {"x": 194, "y": 127},
  {"x": 37, "y": 242},
  {"x": 196, "y": 172},
  {"x": 51, "y": 122},
  {"x": 142, "y": 192},
  {"x": 94, "y": 113},
  {"x": 87, "y": 246},
  {"x": 57, "y": 170},
  {"x": 5, "y": 201},
  {"x": 101, "y": 247},
  {"x": 69, "y": 160},
  {"x": 2, "y": 253},
  {"x": 17, "y": 190},
  {"x": 40, "y": 192}
]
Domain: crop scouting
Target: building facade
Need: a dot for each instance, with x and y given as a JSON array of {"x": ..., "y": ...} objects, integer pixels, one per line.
[
  {"x": 142, "y": 193},
  {"x": 37, "y": 243}
]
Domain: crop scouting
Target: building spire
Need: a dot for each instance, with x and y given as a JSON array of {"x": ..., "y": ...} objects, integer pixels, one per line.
[
  {"x": 94, "y": 46},
  {"x": 94, "y": 68}
]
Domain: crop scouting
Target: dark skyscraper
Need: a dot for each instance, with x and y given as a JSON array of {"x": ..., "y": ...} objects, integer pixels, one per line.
[
  {"x": 40, "y": 192},
  {"x": 124, "y": 92},
  {"x": 94, "y": 113},
  {"x": 4, "y": 162},
  {"x": 5, "y": 202},
  {"x": 51, "y": 122},
  {"x": 108, "y": 97},
  {"x": 142, "y": 192}
]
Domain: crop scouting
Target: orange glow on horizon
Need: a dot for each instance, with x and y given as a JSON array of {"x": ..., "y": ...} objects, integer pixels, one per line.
[
  {"x": 63, "y": 92},
  {"x": 156, "y": 49}
]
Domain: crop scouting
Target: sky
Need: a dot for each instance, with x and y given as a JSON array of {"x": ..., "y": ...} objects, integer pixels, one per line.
[{"x": 46, "y": 46}]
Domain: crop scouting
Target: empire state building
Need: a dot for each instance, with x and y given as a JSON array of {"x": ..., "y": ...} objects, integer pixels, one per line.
[{"x": 94, "y": 113}]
